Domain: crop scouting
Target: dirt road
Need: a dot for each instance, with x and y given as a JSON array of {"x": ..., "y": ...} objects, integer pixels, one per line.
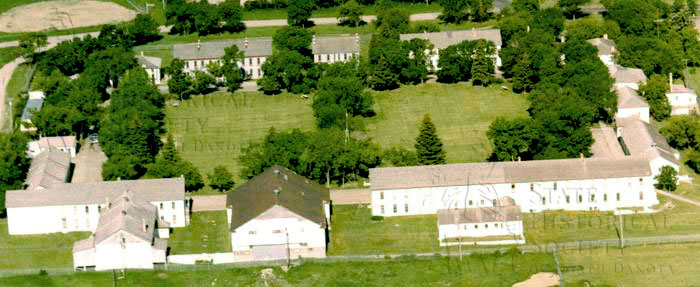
[{"x": 5, "y": 76}]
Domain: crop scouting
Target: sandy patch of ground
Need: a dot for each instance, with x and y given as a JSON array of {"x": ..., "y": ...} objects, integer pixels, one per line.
[
  {"x": 62, "y": 15},
  {"x": 542, "y": 279}
]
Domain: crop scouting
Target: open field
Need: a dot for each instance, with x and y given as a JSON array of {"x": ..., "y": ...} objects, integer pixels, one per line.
[
  {"x": 207, "y": 233},
  {"x": 664, "y": 265},
  {"x": 353, "y": 232},
  {"x": 36, "y": 251},
  {"x": 212, "y": 129},
  {"x": 493, "y": 270},
  {"x": 8, "y": 54},
  {"x": 61, "y": 15}
]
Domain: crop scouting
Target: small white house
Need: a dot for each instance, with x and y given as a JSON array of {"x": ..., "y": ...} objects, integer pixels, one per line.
[
  {"x": 442, "y": 40},
  {"x": 66, "y": 144},
  {"x": 198, "y": 55},
  {"x": 128, "y": 236},
  {"x": 335, "y": 49},
  {"x": 278, "y": 215},
  {"x": 502, "y": 222},
  {"x": 34, "y": 104},
  {"x": 606, "y": 49},
  {"x": 152, "y": 66},
  {"x": 682, "y": 100},
  {"x": 630, "y": 104},
  {"x": 627, "y": 77}
]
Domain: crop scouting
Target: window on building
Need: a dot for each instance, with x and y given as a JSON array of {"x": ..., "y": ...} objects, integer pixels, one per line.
[
  {"x": 482, "y": 202},
  {"x": 641, "y": 181},
  {"x": 605, "y": 197},
  {"x": 248, "y": 61},
  {"x": 618, "y": 196},
  {"x": 470, "y": 203},
  {"x": 99, "y": 209},
  {"x": 486, "y": 226},
  {"x": 567, "y": 199},
  {"x": 641, "y": 195},
  {"x": 65, "y": 223},
  {"x": 381, "y": 209},
  {"x": 592, "y": 197},
  {"x": 174, "y": 219},
  {"x": 342, "y": 57},
  {"x": 580, "y": 198},
  {"x": 161, "y": 205},
  {"x": 257, "y": 61},
  {"x": 544, "y": 200},
  {"x": 465, "y": 226},
  {"x": 252, "y": 232},
  {"x": 532, "y": 186},
  {"x": 555, "y": 185},
  {"x": 87, "y": 209},
  {"x": 395, "y": 208},
  {"x": 381, "y": 195},
  {"x": 476, "y": 226},
  {"x": 494, "y": 202},
  {"x": 406, "y": 208},
  {"x": 512, "y": 186},
  {"x": 172, "y": 204},
  {"x": 277, "y": 231},
  {"x": 303, "y": 244}
]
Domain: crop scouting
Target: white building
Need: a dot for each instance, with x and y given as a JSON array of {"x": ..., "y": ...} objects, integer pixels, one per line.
[
  {"x": 66, "y": 144},
  {"x": 128, "y": 235},
  {"x": 643, "y": 140},
  {"x": 442, "y": 40},
  {"x": 34, "y": 103},
  {"x": 682, "y": 100},
  {"x": 152, "y": 66},
  {"x": 630, "y": 104},
  {"x": 49, "y": 168},
  {"x": 627, "y": 77},
  {"x": 503, "y": 221},
  {"x": 68, "y": 207},
  {"x": 278, "y": 215},
  {"x": 198, "y": 55},
  {"x": 335, "y": 49},
  {"x": 606, "y": 49}
]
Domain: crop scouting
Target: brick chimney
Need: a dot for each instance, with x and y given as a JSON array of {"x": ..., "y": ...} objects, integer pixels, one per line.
[
  {"x": 199, "y": 44},
  {"x": 245, "y": 43}
]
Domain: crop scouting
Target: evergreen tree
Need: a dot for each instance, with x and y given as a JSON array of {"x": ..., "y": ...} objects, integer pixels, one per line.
[
  {"x": 522, "y": 75},
  {"x": 482, "y": 66},
  {"x": 382, "y": 77},
  {"x": 428, "y": 144}
]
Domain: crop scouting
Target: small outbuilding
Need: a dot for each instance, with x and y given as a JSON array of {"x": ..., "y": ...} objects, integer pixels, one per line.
[{"x": 501, "y": 222}]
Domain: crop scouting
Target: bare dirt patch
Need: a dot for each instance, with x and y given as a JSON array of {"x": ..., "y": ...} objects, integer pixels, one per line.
[
  {"x": 542, "y": 279},
  {"x": 62, "y": 15}
]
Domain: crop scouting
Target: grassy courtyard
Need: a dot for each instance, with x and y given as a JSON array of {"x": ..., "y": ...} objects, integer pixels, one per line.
[
  {"x": 354, "y": 232},
  {"x": 492, "y": 270},
  {"x": 37, "y": 251},
  {"x": 206, "y": 233},
  {"x": 212, "y": 129}
]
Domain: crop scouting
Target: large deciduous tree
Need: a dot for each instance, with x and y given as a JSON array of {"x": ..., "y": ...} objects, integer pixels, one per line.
[
  {"x": 221, "y": 179},
  {"x": 299, "y": 12},
  {"x": 654, "y": 92}
]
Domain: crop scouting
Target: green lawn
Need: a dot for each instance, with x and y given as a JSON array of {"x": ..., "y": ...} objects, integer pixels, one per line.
[
  {"x": 37, "y": 251},
  {"x": 354, "y": 232},
  {"x": 206, "y": 233},
  {"x": 664, "y": 265},
  {"x": 212, "y": 129},
  {"x": 411, "y": 8},
  {"x": 8, "y": 54},
  {"x": 493, "y": 270},
  {"x": 461, "y": 112},
  {"x": 15, "y": 88}
]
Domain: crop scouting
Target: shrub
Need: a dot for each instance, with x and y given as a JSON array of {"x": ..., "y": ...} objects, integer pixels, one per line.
[{"x": 377, "y": 218}]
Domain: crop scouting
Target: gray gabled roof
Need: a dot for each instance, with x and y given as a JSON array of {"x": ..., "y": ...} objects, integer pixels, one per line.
[
  {"x": 627, "y": 98},
  {"x": 255, "y": 47},
  {"x": 626, "y": 75},
  {"x": 442, "y": 40},
  {"x": 336, "y": 45},
  {"x": 163, "y": 189},
  {"x": 462, "y": 174},
  {"x": 33, "y": 105},
  {"x": 642, "y": 139},
  {"x": 277, "y": 186},
  {"x": 129, "y": 213},
  {"x": 505, "y": 210},
  {"x": 605, "y": 47},
  {"x": 48, "y": 169},
  {"x": 605, "y": 143},
  {"x": 149, "y": 62}
]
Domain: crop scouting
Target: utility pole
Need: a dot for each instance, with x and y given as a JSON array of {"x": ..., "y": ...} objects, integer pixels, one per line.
[
  {"x": 557, "y": 263},
  {"x": 622, "y": 231},
  {"x": 289, "y": 259}
]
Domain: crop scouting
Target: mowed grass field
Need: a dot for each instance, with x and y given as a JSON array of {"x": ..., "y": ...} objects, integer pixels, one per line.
[
  {"x": 206, "y": 233},
  {"x": 663, "y": 265},
  {"x": 493, "y": 270},
  {"x": 37, "y": 251},
  {"x": 212, "y": 129},
  {"x": 353, "y": 232}
]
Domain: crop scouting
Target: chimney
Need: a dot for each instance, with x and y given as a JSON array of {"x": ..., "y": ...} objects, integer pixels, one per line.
[
  {"x": 357, "y": 40},
  {"x": 605, "y": 36},
  {"x": 518, "y": 158},
  {"x": 245, "y": 43},
  {"x": 199, "y": 44},
  {"x": 119, "y": 178},
  {"x": 581, "y": 155},
  {"x": 141, "y": 53}
]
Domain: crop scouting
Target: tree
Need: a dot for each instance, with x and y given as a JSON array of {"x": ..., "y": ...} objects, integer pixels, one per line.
[
  {"x": 143, "y": 30},
  {"x": 299, "y": 12},
  {"x": 455, "y": 62},
  {"x": 122, "y": 166},
  {"x": 522, "y": 75},
  {"x": 293, "y": 38},
  {"x": 382, "y": 77},
  {"x": 391, "y": 23},
  {"x": 682, "y": 132},
  {"x": 14, "y": 164},
  {"x": 30, "y": 42},
  {"x": 483, "y": 63},
  {"x": 278, "y": 148},
  {"x": 231, "y": 15},
  {"x": 516, "y": 139},
  {"x": 668, "y": 179},
  {"x": 571, "y": 7},
  {"x": 203, "y": 83},
  {"x": 400, "y": 156},
  {"x": 693, "y": 160},
  {"x": 692, "y": 6},
  {"x": 527, "y": 6},
  {"x": 221, "y": 179},
  {"x": 169, "y": 164},
  {"x": 415, "y": 70},
  {"x": 350, "y": 14},
  {"x": 179, "y": 83},
  {"x": 428, "y": 144},
  {"x": 480, "y": 9},
  {"x": 654, "y": 91},
  {"x": 338, "y": 99},
  {"x": 453, "y": 11}
]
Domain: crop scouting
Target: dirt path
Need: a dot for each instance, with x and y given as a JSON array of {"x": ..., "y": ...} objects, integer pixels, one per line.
[
  {"x": 88, "y": 164},
  {"x": 332, "y": 20},
  {"x": 678, "y": 197},
  {"x": 5, "y": 76}
]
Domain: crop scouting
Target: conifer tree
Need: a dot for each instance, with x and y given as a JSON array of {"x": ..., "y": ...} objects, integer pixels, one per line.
[
  {"x": 382, "y": 77},
  {"x": 522, "y": 75},
  {"x": 428, "y": 144}
]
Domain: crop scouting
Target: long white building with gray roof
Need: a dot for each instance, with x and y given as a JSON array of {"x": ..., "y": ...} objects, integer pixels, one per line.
[
  {"x": 442, "y": 40},
  {"x": 332, "y": 49},
  {"x": 198, "y": 55},
  {"x": 68, "y": 207}
]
